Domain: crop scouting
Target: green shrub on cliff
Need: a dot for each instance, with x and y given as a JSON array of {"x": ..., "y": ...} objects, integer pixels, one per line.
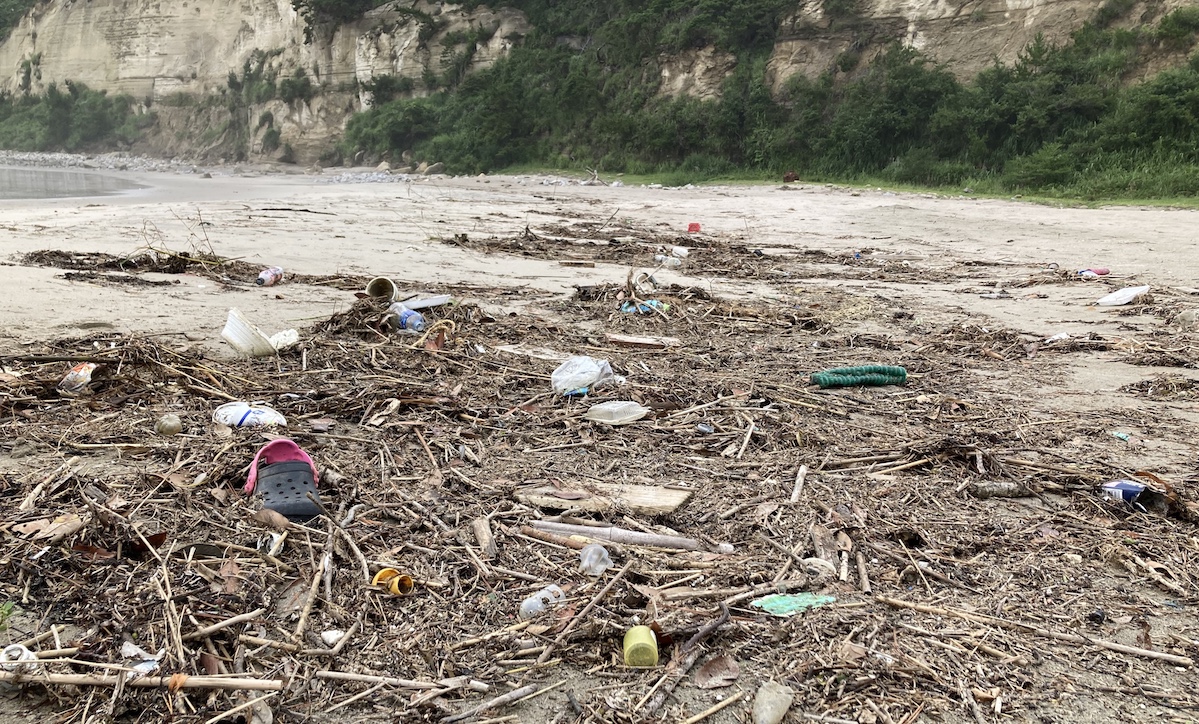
[
  {"x": 11, "y": 12},
  {"x": 70, "y": 118}
]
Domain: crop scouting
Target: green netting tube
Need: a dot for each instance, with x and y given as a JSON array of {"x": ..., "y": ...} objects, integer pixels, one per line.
[{"x": 868, "y": 375}]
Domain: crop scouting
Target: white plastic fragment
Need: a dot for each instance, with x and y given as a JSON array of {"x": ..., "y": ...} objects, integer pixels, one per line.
[
  {"x": 250, "y": 341},
  {"x": 1127, "y": 295},
  {"x": 616, "y": 412}
]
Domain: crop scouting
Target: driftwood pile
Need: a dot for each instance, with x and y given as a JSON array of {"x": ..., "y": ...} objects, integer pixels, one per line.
[{"x": 974, "y": 568}]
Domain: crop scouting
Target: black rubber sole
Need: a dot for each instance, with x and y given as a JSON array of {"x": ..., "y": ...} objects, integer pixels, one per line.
[{"x": 285, "y": 488}]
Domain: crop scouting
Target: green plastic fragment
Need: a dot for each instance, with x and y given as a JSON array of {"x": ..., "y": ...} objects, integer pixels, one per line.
[
  {"x": 870, "y": 375},
  {"x": 789, "y": 604}
]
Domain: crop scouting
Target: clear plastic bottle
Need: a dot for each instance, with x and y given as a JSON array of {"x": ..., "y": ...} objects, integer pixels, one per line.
[
  {"x": 270, "y": 276},
  {"x": 407, "y": 319},
  {"x": 541, "y": 601},
  {"x": 668, "y": 262},
  {"x": 594, "y": 559}
]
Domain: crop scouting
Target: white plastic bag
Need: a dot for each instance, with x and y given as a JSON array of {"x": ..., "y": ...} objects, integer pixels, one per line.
[
  {"x": 616, "y": 412},
  {"x": 582, "y": 373},
  {"x": 1127, "y": 295}
]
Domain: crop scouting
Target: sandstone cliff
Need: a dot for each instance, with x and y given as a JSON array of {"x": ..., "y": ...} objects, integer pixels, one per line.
[
  {"x": 171, "y": 55},
  {"x": 175, "y": 54}
]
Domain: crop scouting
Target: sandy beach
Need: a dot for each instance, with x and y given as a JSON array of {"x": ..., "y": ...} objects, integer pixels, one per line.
[{"x": 1015, "y": 374}]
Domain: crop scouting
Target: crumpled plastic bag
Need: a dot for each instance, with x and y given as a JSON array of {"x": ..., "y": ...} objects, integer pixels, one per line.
[{"x": 579, "y": 374}]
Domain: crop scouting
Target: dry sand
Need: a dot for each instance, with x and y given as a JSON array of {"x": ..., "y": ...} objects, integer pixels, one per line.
[{"x": 932, "y": 256}]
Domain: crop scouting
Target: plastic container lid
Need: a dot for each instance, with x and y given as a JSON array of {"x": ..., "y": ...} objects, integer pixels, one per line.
[{"x": 616, "y": 412}]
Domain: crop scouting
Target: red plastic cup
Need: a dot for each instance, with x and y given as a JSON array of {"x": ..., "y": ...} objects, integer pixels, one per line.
[{"x": 693, "y": 228}]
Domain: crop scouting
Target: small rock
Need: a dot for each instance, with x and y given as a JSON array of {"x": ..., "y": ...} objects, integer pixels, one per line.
[
  {"x": 424, "y": 166},
  {"x": 206, "y": 175},
  {"x": 404, "y": 169},
  {"x": 1072, "y": 558},
  {"x": 435, "y": 168},
  {"x": 385, "y": 166}
]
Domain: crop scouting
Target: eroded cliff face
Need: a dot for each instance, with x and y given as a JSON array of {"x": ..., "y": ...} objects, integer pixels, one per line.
[
  {"x": 162, "y": 53},
  {"x": 165, "y": 53}
]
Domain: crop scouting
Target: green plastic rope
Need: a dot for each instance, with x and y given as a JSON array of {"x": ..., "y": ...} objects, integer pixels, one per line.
[{"x": 869, "y": 375}]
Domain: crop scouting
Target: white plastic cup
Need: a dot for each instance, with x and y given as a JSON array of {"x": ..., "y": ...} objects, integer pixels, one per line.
[{"x": 382, "y": 288}]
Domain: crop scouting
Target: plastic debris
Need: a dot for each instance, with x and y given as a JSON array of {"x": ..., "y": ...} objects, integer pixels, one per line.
[
  {"x": 616, "y": 412},
  {"x": 578, "y": 375},
  {"x": 270, "y": 276},
  {"x": 18, "y": 659},
  {"x": 1127, "y": 295},
  {"x": 640, "y": 647},
  {"x": 247, "y": 414},
  {"x": 542, "y": 601},
  {"x": 250, "y": 341},
  {"x": 1140, "y": 496},
  {"x": 396, "y": 583},
  {"x": 76, "y": 381},
  {"x": 649, "y": 306},
  {"x": 693, "y": 228},
  {"x": 594, "y": 559},
  {"x": 870, "y": 375},
  {"x": 789, "y": 604},
  {"x": 403, "y": 319},
  {"x": 772, "y": 702}
]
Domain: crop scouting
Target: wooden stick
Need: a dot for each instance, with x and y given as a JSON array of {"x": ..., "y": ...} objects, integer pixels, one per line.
[
  {"x": 714, "y": 708},
  {"x": 548, "y": 537},
  {"x": 545, "y": 655},
  {"x": 240, "y": 707},
  {"x": 360, "y": 695},
  {"x": 201, "y": 633},
  {"x": 326, "y": 560},
  {"x": 458, "y": 682},
  {"x": 179, "y": 681},
  {"x": 905, "y": 466},
  {"x": 484, "y": 537},
  {"x": 1044, "y": 633},
  {"x": 622, "y": 535},
  {"x": 863, "y": 577},
  {"x": 799, "y": 478},
  {"x": 508, "y": 698}
]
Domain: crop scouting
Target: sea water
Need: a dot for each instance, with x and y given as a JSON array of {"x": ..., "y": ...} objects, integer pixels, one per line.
[{"x": 50, "y": 183}]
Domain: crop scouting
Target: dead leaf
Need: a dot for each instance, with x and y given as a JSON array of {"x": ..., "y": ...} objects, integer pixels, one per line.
[
  {"x": 719, "y": 672},
  {"x": 92, "y": 552},
  {"x": 763, "y": 511},
  {"x": 436, "y": 342},
  {"x": 272, "y": 518},
  {"x": 136, "y": 547},
  {"x": 850, "y": 652},
  {"x": 292, "y": 598},
  {"x": 434, "y": 479},
  {"x": 52, "y": 530},
  {"x": 208, "y": 662},
  {"x": 230, "y": 575}
]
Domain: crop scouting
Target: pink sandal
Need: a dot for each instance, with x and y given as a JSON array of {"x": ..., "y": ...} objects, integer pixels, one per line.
[{"x": 288, "y": 477}]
